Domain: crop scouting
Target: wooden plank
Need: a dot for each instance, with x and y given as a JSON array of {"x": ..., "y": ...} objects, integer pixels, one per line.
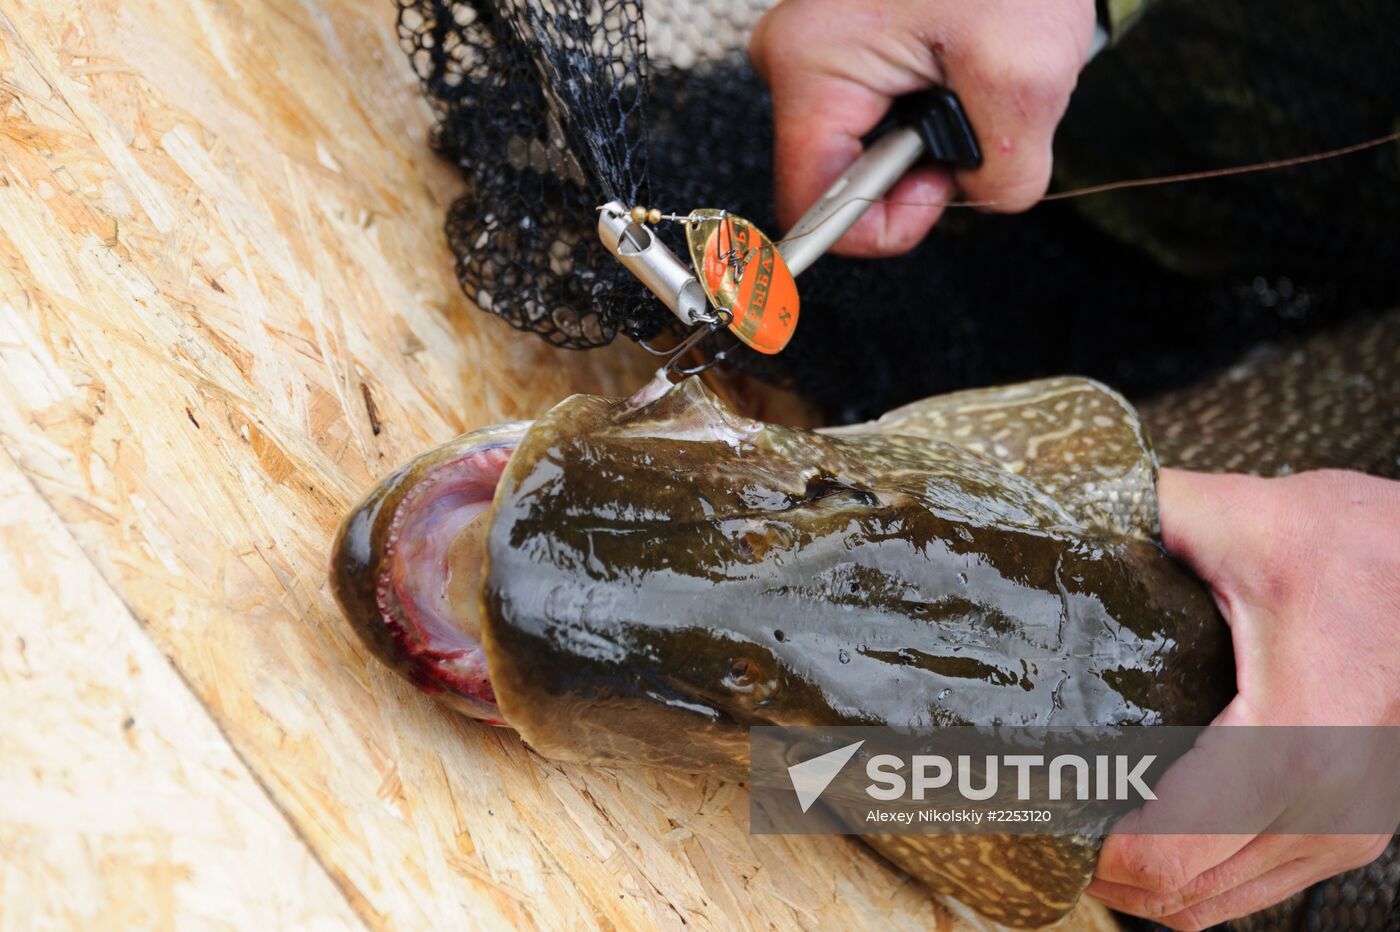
[
  {"x": 120, "y": 802},
  {"x": 219, "y": 236}
]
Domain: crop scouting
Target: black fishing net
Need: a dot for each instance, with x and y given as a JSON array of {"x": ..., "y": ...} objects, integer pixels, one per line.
[{"x": 551, "y": 108}]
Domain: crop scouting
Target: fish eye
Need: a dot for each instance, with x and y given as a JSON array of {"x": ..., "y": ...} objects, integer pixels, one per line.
[
  {"x": 824, "y": 485},
  {"x": 743, "y": 673},
  {"x": 749, "y": 679},
  {"x": 746, "y": 678}
]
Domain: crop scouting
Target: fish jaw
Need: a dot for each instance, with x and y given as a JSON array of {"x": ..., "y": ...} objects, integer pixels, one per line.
[{"x": 394, "y": 559}]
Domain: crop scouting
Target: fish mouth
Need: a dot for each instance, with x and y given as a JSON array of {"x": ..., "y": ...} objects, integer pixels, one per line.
[{"x": 408, "y": 563}]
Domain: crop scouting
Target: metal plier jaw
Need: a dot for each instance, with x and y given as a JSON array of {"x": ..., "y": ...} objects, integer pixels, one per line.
[{"x": 639, "y": 249}]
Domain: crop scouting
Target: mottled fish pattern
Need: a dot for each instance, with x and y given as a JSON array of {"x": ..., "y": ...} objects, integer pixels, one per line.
[{"x": 984, "y": 556}]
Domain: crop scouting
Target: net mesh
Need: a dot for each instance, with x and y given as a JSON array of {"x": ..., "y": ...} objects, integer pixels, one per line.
[{"x": 551, "y": 108}]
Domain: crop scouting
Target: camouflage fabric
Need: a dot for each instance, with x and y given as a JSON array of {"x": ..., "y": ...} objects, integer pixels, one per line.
[
  {"x": 1118, "y": 15},
  {"x": 1201, "y": 85}
]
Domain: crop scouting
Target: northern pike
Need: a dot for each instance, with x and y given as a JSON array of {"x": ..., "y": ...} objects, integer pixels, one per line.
[{"x": 642, "y": 580}]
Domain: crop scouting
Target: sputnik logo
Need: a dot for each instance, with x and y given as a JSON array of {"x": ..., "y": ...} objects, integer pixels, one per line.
[{"x": 811, "y": 777}]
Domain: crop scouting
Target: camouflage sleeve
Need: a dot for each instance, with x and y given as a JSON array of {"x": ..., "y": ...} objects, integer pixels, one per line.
[{"x": 1118, "y": 15}]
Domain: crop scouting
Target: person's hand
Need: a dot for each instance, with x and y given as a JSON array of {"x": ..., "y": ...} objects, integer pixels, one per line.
[
  {"x": 834, "y": 67},
  {"x": 1306, "y": 571}
]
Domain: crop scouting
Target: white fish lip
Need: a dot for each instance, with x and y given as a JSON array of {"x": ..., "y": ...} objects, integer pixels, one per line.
[{"x": 390, "y": 568}]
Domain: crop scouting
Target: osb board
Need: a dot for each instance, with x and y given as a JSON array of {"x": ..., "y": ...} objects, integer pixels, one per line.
[
  {"x": 120, "y": 802},
  {"x": 225, "y": 308}
]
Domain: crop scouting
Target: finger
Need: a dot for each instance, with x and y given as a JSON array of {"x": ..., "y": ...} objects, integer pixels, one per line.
[
  {"x": 829, "y": 92},
  {"x": 1209, "y": 520},
  {"x": 1229, "y": 782},
  {"x": 901, "y": 220},
  {"x": 1151, "y": 875},
  {"x": 1259, "y": 856},
  {"x": 1273, "y": 887},
  {"x": 1014, "y": 97},
  {"x": 817, "y": 129}
]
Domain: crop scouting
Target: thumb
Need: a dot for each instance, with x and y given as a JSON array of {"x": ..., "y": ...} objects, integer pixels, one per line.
[
  {"x": 818, "y": 122},
  {"x": 832, "y": 82},
  {"x": 1210, "y": 520}
]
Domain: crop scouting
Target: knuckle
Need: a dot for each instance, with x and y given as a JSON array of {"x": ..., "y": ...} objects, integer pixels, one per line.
[
  {"x": 1035, "y": 78},
  {"x": 1019, "y": 197},
  {"x": 1189, "y": 920},
  {"x": 1362, "y": 851},
  {"x": 1159, "y": 873},
  {"x": 1013, "y": 77},
  {"x": 1308, "y": 763},
  {"x": 1136, "y": 902},
  {"x": 1009, "y": 183},
  {"x": 1158, "y": 906},
  {"x": 1033, "y": 182},
  {"x": 786, "y": 35},
  {"x": 1271, "y": 532}
]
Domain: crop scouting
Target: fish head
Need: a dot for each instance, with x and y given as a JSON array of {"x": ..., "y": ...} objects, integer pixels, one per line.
[
  {"x": 407, "y": 562},
  {"x": 663, "y": 574},
  {"x": 625, "y": 540},
  {"x": 552, "y": 576},
  {"x": 642, "y": 580}
]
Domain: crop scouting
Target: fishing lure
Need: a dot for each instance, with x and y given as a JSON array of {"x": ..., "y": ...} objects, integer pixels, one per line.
[{"x": 738, "y": 278}]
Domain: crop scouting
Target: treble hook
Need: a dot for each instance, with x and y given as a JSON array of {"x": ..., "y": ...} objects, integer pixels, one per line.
[{"x": 721, "y": 318}]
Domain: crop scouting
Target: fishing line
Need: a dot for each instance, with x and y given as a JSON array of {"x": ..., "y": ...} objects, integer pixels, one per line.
[
  {"x": 1205, "y": 175},
  {"x": 727, "y": 252}
]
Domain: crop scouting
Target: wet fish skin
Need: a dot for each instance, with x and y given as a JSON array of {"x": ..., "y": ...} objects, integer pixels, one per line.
[
  {"x": 664, "y": 574},
  {"x": 865, "y": 577}
]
